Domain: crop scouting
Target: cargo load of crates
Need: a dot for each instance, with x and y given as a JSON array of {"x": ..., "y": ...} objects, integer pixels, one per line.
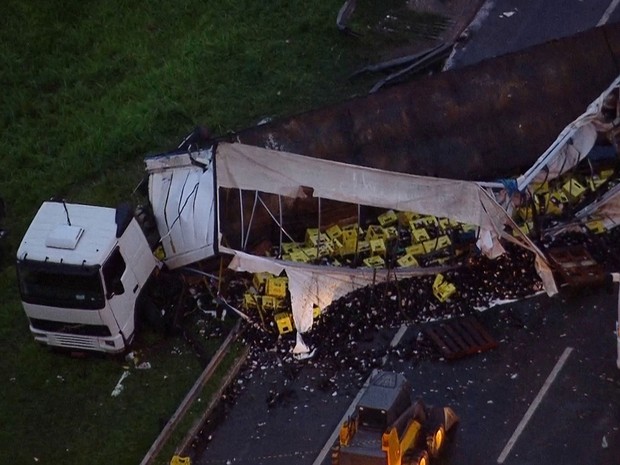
[
  {"x": 395, "y": 239},
  {"x": 546, "y": 204},
  {"x": 267, "y": 298}
]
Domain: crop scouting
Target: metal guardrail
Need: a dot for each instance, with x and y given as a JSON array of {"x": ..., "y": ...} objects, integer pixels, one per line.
[{"x": 193, "y": 394}]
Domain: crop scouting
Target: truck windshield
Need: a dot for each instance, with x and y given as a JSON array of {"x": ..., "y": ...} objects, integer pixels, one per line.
[
  {"x": 372, "y": 418},
  {"x": 60, "y": 285}
]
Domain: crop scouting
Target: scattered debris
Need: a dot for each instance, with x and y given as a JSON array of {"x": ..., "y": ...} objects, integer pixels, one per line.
[
  {"x": 508, "y": 14},
  {"x": 119, "y": 386}
]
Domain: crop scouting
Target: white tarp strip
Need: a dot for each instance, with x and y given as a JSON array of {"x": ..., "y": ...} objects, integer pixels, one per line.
[
  {"x": 318, "y": 284},
  {"x": 570, "y": 154},
  {"x": 577, "y": 134},
  {"x": 247, "y": 167}
]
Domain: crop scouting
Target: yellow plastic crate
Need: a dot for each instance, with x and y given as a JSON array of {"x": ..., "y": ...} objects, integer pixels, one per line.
[
  {"x": 374, "y": 262},
  {"x": 377, "y": 247},
  {"x": 594, "y": 182},
  {"x": 284, "y": 322},
  {"x": 363, "y": 247},
  {"x": 439, "y": 261},
  {"x": 314, "y": 240},
  {"x": 288, "y": 247},
  {"x": 259, "y": 279},
  {"x": 445, "y": 224},
  {"x": 525, "y": 213},
  {"x": 178, "y": 460},
  {"x": 573, "y": 189},
  {"x": 525, "y": 228},
  {"x": 312, "y": 235},
  {"x": 298, "y": 256},
  {"x": 419, "y": 235},
  {"x": 325, "y": 249},
  {"x": 316, "y": 311},
  {"x": 438, "y": 243},
  {"x": 336, "y": 245},
  {"x": 539, "y": 188},
  {"x": 596, "y": 226},
  {"x": 425, "y": 221},
  {"x": 276, "y": 287},
  {"x": 407, "y": 260},
  {"x": 390, "y": 233},
  {"x": 352, "y": 227},
  {"x": 250, "y": 301},
  {"x": 388, "y": 218},
  {"x": 349, "y": 243},
  {"x": 443, "y": 289},
  {"x": 415, "y": 249},
  {"x": 269, "y": 303},
  {"x": 554, "y": 202},
  {"x": 348, "y": 234},
  {"x": 606, "y": 174},
  {"x": 468, "y": 227},
  {"x": 334, "y": 232},
  {"x": 311, "y": 252},
  {"x": 374, "y": 232},
  {"x": 405, "y": 218}
]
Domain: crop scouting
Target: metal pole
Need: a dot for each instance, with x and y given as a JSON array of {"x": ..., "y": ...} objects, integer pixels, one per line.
[
  {"x": 242, "y": 219},
  {"x": 616, "y": 279},
  {"x": 318, "y": 240},
  {"x": 281, "y": 224}
]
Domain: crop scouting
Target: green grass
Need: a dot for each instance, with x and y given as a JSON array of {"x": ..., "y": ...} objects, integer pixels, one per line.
[
  {"x": 392, "y": 24},
  {"x": 89, "y": 88}
]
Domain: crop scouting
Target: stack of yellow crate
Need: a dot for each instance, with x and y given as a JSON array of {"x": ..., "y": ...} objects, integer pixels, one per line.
[
  {"x": 389, "y": 218},
  {"x": 443, "y": 289},
  {"x": 268, "y": 297},
  {"x": 374, "y": 244}
]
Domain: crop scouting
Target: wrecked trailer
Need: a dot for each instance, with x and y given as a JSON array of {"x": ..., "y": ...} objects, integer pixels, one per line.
[
  {"x": 238, "y": 173},
  {"x": 398, "y": 133}
]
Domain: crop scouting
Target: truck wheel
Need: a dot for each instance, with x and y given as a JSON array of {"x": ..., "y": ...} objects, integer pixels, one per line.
[
  {"x": 416, "y": 457},
  {"x": 435, "y": 440}
]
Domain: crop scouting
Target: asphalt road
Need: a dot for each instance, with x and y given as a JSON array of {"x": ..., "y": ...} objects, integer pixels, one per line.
[
  {"x": 550, "y": 392},
  {"x": 504, "y": 26},
  {"x": 574, "y": 420}
]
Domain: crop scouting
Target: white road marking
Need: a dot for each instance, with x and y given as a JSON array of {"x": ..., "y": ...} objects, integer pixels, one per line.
[
  {"x": 534, "y": 405},
  {"x": 610, "y": 9},
  {"x": 400, "y": 333}
]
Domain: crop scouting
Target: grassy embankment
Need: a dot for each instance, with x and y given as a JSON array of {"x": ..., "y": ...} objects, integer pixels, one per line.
[{"x": 88, "y": 89}]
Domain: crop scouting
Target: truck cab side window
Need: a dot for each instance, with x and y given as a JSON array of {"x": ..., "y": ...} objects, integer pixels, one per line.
[{"x": 113, "y": 270}]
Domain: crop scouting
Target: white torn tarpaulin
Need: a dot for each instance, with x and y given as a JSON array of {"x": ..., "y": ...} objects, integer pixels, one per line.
[
  {"x": 319, "y": 285},
  {"x": 571, "y": 146},
  {"x": 248, "y": 167}
]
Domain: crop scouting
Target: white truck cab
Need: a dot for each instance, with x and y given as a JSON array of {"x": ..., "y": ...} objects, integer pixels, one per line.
[{"x": 81, "y": 270}]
